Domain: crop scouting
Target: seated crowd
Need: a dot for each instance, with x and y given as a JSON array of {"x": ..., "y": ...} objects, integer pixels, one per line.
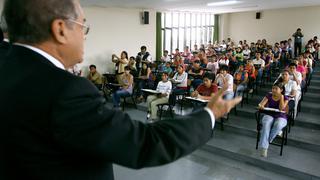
[{"x": 200, "y": 72}]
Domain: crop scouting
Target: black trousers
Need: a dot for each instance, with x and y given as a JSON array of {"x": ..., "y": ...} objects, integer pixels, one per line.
[{"x": 297, "y": 49}]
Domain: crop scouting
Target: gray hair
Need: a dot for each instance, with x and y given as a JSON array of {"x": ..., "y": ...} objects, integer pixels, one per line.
[{"x": 29, "y": 21}]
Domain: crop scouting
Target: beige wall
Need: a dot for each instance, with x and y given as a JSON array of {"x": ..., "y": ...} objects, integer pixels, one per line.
[
  {"x": 114, "y": 30},
  {"x": 274, "y": 25}
]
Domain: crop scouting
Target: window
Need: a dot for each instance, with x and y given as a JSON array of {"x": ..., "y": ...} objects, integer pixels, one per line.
[{"x": 180, "y": 29}]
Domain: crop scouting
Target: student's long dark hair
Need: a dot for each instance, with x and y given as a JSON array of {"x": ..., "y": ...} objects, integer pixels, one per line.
[
  {"x": 144, "y": 72},
  {"x": 281, "y": 86}
]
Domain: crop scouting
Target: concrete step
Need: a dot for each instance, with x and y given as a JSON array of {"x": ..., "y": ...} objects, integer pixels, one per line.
[
  {"x": 315, "y": 82},
  {"x": 313, "y": 88},
  {"x": 308, "y": 120},
  {"x": 295, "y": 162},
  {"x": 311, "y": 107},
  {"x": 311, "y": 97}
]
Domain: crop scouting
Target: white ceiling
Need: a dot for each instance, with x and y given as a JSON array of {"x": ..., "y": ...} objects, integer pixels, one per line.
[{"x": 201, "y": 5}]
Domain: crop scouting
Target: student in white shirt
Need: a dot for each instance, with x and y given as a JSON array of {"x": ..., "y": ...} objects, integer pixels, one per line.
[
  {"x": 165, "y": 58},
  {"x": 181, "y": 77},
  {"x": 259, "y": 62},
  {"x": 164, "y": 87},
  {"x": 225, "y": 78},
  {"x": 223, "y": 60},
  {"x": 246, "y": 52},
  {"x": 213, "y": 65},
  {"x": 296, "y": 77}
]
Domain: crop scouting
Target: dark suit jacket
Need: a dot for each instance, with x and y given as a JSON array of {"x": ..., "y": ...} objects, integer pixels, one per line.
[
  {"x": 4, "y": 48},
  {"x": 54, "y": 125}
]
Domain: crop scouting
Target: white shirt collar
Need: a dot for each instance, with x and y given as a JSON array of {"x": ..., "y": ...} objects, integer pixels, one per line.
[{"x": 53, "y": 60}]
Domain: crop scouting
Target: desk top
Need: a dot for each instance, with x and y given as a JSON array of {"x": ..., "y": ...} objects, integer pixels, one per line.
[
  {"x": 197, "y": 99},
  {"x": 114, "y": 84},
  {"x": 151, "y": 91},
  {"x": 272, "y": 110}
]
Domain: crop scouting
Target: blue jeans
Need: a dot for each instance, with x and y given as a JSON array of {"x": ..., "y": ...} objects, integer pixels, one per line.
[
  {"x": 240, "y": 89},
  {"x": 117, "y": 95},
  {"x": 259, "y": 77},
  {"x": 228, "y": 95},
  {"x": 268, "y": 134}
]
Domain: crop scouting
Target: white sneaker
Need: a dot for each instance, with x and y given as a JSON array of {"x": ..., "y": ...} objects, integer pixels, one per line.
[
  {"x": 280, "y": 133},
  {"x": 264, "y": 152},
  {"x": 148, "y": 116}
]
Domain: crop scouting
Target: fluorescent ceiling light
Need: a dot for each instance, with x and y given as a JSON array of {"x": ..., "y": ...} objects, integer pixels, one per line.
[{"x": 223, "y": 3}]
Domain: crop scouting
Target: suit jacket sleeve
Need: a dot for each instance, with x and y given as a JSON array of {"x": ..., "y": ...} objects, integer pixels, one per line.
[{"x": 82, "y": 124}]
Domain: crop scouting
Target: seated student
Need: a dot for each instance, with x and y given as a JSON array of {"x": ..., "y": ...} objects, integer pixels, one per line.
[
  {"x": 176, "y": 53},
  {"x": 187, "y": 54},
  {"x": 291, "y": 88},
  {"x": 300, "y": 67},
  {"x": 167, "y": 68},
  {"x": 250, "y": 69},
  {"x": 224, "y": 78},
  {"x": 246, "y": 53},
  {"x": 213, "y": 65},
  {"x": 95, "y": 77},
  {"x": 260, "y": 64},
  {"x": 165, "y": 58},
  {"x": 297, "y": 77},
  {"x": 164, "y": 87},
  {"x": 195, "y": 57},
  {"x": 239, "y": 56},
  {"x": 195, "y": 75},
  {"x": 203, "y": 58},
  {"x": 181, "y": 77},
  {"x": 309, "y": 63},
  {"x": 145, "y": 81},
  {"x": 177, "y": 61},
  {"x": 223, "y": 60},
  {"x": 273, "y": 123},
  {"x": 132, "y": 66},
  {"x": 240, "y": 80},
  {"x": 207, "y": 88},
  {"x": 126, "y": 87}
]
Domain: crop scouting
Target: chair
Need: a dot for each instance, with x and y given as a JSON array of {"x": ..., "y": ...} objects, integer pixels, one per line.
[
  {"x": 170, "y": 105},
  {"x": 124, "y": 101},
  {"x": 284, "y": 137},
  {"x": 292, "y": 112}
]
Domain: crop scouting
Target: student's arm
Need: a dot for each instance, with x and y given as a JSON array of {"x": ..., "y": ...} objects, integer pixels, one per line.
[
  {"x": 246, "y": 79},
  {"x": 263, "y": 103},
  {"x": 195, "y": 94},
  {"x": 201, "y": 72},
  {"x": 283, "y": 103},
  {"x": 94, "y": 77},
  {"x": 123, "y": 61},
  {"x": 115, "y": 58}
]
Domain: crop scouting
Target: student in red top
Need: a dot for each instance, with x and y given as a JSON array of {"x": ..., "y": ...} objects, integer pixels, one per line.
[{"x": 207, "y": 88}]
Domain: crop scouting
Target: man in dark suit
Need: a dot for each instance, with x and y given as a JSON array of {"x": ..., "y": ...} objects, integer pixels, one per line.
[
  {"x": 54, "y": 125},
  {"x": 4, "y": 44}
]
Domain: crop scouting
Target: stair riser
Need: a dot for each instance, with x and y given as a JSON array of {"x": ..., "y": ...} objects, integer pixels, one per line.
[{"x": 259, "y": 163}]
